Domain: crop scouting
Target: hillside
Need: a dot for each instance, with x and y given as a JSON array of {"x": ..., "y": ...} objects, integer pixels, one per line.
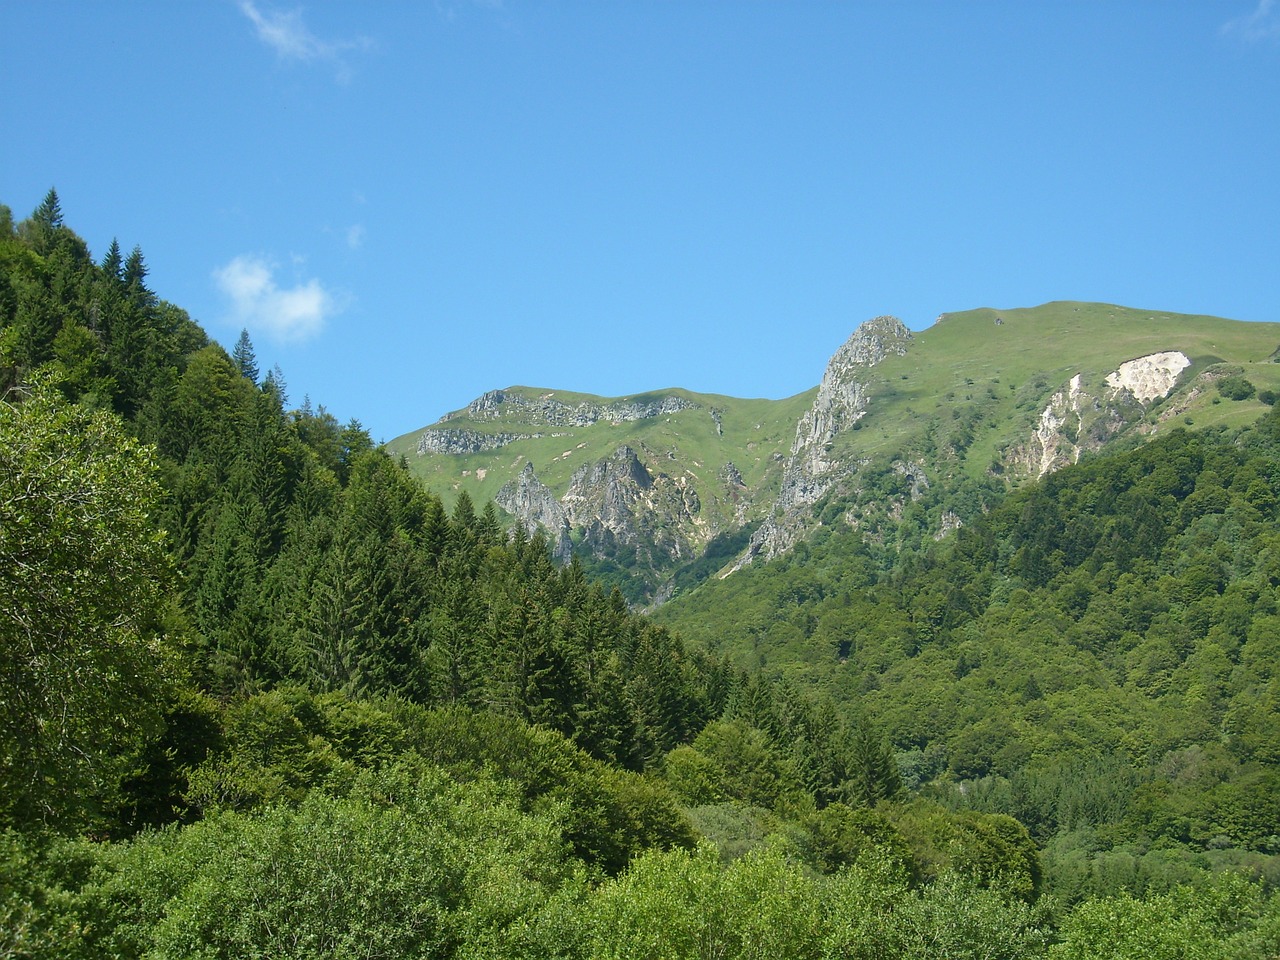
[
  {"x": 263, "y": 695},
  {"x": 662, "y": 489},
  {"x": 642, "y": 483},
  {"x": 1095, "y": 655}
]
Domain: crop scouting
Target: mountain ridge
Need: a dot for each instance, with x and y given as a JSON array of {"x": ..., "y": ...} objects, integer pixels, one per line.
[{"x": 981, "y": 400}]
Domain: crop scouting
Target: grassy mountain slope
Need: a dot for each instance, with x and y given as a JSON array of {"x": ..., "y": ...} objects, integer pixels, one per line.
[
  {"x": 963, "y": 414},
  {"x": 969, "y": 363},
  {"x": 753, "y": 435}
]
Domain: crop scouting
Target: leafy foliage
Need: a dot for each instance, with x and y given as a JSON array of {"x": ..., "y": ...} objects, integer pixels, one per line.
[
  {"x": 83, "y": 579},
  {"x": 1092, "y": 656}
]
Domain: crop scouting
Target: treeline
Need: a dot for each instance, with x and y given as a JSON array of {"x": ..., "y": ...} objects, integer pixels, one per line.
[{"x": 303, "y": 554}]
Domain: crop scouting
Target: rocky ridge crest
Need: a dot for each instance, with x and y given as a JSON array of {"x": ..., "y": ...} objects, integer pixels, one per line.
[
  {"x": 546, "y": 409},
  {"x": 843, "y": 398}
]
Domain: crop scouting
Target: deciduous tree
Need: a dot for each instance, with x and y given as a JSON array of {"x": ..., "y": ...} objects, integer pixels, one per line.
[{"x": 83, "y": 576}]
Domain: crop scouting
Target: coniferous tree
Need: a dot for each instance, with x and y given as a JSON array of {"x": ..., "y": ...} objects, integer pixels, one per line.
[
  {"x": 44, "y": 228},
  {"x": 244, "y": 358},
  {"x": 276, "y": 384},
  {"x": 134, "y": 278},
  {"x": 113, "y": 263}
]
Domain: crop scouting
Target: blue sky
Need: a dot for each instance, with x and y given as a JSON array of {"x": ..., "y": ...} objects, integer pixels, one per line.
[{"x": 409, "y": 203}]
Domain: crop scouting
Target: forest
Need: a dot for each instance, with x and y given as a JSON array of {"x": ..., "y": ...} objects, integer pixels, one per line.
[{"x": 262, "y": 695}]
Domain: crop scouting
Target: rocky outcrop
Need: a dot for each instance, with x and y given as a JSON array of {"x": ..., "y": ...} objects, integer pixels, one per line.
[
  {"x": 534, "y": 504},
  {"x": 1055, "y": 439},
  {"x": 467, "y": 441},
  {"x": 546, "y": 409},
  {"x": 731, "y": 476},
  {"x": 602, "y": 495},
  {"x": 1077, "y": 419},
  {"x": 497, "y": 405},
  {"x": 1151, "y": 377},
  {"x": 615, "y": 507},
  {"x": 843, "y": 398},
  {"x": 617, "y": 502}
]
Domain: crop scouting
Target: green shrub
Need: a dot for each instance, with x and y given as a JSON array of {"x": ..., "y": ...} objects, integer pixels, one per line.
[{"x": 1236, "y": 388}]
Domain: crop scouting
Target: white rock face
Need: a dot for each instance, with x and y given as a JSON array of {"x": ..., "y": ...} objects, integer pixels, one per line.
[
  {"x": 1050, "y": 445},
  {"x": 1151, "y": 377},
  {"x": 1076, "y": 420}
]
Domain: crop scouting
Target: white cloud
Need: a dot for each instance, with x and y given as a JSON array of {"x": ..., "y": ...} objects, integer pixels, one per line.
[
  {"x": 291, "y": 39},
  {"x": 259, "y": 303},
  {"x": 1262, "y": 24}
]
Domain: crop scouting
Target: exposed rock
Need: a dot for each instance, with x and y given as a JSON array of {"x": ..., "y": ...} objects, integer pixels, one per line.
[
  {"x": 948, "y": 524},
  {"x": 1076, "y": 420},
  {"x": 532, "y": 502},
  {"x": 732, "y": 476},
  {"x": 1151, "y": 377},
  {"x": 617, "y": 507},
  {"x": 601, "y": 494},
  {"x": 842, "y": 400},
  {"x": 466, "y": 441},
  {"x": 1054, "y": 440},
  {"x": 498, "y": 404},
  {"x": 912, "y": 471},
  {"x": 617, "y": 501}
]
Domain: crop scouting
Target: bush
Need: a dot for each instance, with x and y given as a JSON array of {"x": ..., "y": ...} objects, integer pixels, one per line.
[{"x": 1236, "y": 388}]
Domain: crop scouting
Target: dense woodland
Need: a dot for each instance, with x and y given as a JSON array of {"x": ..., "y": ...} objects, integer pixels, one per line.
[{"x": 262, "y": 695}]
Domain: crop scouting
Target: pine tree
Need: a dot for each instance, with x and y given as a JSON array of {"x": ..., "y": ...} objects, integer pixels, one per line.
[
  {"x": 44, "y": 228},
  {"x": 135, "y": 280},
  {"x": 49, "y": 213},
  {"x": 113, "y": 263},
  {"x": 874, "y": 770},
  {"x": 244, "y": 358},
  {"x": 275, "y": 383}
]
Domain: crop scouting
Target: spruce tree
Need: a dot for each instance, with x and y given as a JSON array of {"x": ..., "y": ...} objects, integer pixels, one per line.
[
  {"x": 135, "y": 280},
  {"x": 113, "y": 262},
  {"x": 45, "y": 225},
  {"x": 244, "y": 357}
]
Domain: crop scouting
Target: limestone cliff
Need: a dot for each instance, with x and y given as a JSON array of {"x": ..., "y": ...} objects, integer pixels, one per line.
[
  {"x": 613, "y": 506},
  {"x": 533, "y": 504},
  {"x": 547, "y": 409},
  {"x": 843, "y": 398}
]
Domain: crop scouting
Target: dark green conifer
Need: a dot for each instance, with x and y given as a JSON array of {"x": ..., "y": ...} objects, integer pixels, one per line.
[{"x": 244, "y": 358}]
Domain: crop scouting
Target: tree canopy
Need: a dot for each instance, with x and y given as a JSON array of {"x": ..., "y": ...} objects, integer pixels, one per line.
[{"x": 84, "y": 575}]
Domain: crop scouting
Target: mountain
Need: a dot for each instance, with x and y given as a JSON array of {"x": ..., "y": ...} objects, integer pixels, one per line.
[
  {"x": 638, "y": 484},
  {"x": 659, "y": 490}
]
